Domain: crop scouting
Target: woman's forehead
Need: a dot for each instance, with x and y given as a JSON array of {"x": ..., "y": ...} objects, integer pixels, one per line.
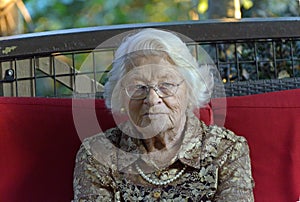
[
  {"x": 144, "y": 57},
  {"x": 153, "y": 72}
]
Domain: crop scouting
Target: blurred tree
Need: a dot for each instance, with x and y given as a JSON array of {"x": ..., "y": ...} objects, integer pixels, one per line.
[
  {"x": 223, "y": 9},
  {"x": 62, "y": 14},
  {"x": 12, "y": 13},
  {"x": 270, "y": 8}
]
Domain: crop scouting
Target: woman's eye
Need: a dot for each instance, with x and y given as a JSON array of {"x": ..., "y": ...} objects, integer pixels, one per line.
[
  {"x": 140, "y": 87},
  {"x": 166, "y": 85}
]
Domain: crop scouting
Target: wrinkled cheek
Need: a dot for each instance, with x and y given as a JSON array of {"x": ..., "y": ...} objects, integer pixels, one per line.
[
  {"x": 134, "y": 109},
  {"x": 173, "y": 120},
  {"x": 177, "y": 105},
  {"x": 177, "y": 115}
]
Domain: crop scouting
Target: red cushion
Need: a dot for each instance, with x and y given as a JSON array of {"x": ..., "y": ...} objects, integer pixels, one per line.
[
  {"x": 271, "y": 124},
  {"x": 38, "y": 144}
]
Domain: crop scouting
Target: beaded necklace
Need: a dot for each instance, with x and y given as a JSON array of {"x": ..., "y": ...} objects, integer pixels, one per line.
[{"x": 164, "y": 179}]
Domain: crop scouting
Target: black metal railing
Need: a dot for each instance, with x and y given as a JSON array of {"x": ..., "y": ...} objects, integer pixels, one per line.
[{"x": 252, "y": 55}]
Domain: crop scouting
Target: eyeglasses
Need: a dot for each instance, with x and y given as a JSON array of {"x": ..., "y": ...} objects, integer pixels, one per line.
[{"x": 163, "y": 90}]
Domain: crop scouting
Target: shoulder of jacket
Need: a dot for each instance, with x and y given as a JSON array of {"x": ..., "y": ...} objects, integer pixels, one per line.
[{"x": 224, "y": 133}]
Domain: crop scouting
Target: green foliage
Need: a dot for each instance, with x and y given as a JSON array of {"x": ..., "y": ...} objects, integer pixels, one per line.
[
  {"x": 64, "y": 14},
  {"x": 270, "y": 8}
]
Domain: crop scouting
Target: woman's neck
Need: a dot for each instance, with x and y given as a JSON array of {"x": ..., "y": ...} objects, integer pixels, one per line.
[
  {"x": 162, "y": 150},
  {"x": 167, "y": 140}
]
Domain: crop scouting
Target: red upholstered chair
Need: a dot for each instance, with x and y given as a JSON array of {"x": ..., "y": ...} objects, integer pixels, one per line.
[
  {"x": 38, "y": 145},
  {"x": 271, "y": 124},
  {"x": 39, "y": 141}
]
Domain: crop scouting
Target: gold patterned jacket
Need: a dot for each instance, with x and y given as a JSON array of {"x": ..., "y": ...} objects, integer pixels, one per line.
[{"x": 217, "y": 168}]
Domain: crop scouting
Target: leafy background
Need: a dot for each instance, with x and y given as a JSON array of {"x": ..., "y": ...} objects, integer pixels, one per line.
[{"x": 64, "y": 14}]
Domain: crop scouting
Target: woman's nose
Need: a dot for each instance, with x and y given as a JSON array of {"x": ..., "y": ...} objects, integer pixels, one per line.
[{"x": 152, "y": 98}]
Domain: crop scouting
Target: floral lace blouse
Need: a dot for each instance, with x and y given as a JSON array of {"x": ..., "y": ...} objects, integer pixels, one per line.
[{"x": 217, "y": 168}]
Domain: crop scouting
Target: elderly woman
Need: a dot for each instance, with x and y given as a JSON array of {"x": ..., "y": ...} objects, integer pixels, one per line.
[{"x": 160, "y": 151}]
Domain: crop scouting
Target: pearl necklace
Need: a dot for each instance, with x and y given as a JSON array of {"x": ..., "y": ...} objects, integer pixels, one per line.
[{"x": 157, "y": 181}]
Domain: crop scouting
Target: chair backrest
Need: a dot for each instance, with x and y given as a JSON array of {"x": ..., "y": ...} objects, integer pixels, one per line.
[
  {"x": 39, "y": 141},
  {"x": 38, "y": 145},
  {"x": 270, "y": 123}
]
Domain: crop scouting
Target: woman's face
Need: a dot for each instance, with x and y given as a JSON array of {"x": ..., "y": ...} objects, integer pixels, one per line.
[{"x": 155, "y": 113}]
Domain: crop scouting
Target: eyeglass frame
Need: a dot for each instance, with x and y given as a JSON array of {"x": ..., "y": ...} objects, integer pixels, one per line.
[{"x": 155, "y": 88}]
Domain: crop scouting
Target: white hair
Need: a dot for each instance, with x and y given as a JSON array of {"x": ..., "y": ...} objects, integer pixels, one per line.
[{"x": 199, "y": 79}]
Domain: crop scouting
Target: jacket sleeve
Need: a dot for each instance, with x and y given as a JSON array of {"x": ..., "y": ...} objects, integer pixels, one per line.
[
  {"x": 235, "y": 178},
  {"x": 92, "y": 182}
]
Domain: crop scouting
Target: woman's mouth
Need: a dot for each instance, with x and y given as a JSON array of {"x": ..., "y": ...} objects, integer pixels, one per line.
[{"x": 153, "y": 114}]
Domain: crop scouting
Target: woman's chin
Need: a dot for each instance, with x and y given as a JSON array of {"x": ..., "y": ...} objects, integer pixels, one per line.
[{"x": 152, "y": 128}]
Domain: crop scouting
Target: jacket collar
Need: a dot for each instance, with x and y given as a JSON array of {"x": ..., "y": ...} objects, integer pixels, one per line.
[{"x": 132, "y": 149}]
